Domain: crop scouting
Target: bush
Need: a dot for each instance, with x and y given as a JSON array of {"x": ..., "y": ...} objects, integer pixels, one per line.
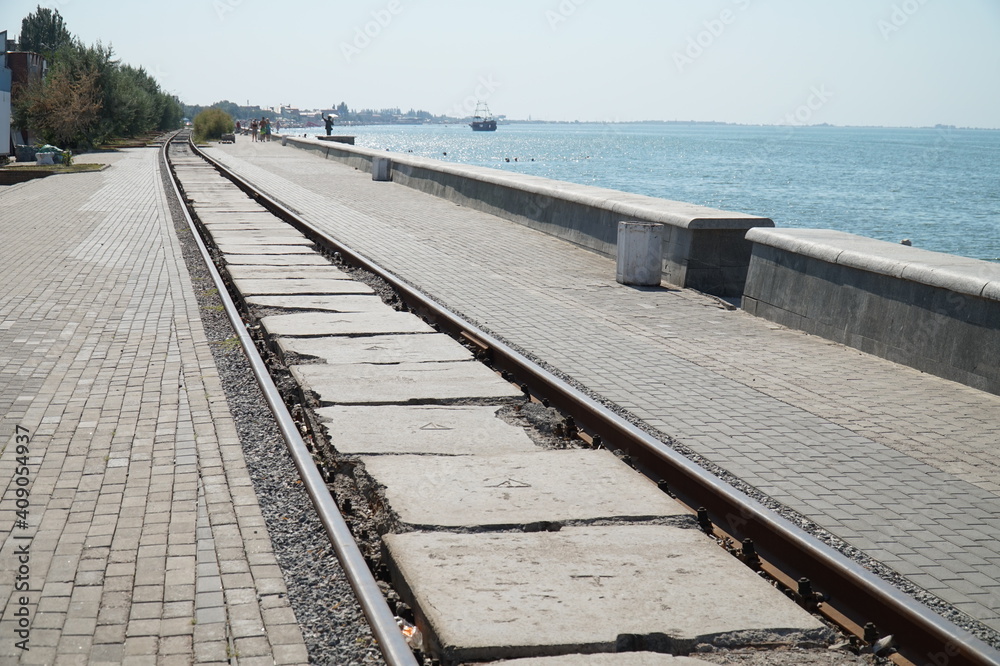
[{"x": 212, "y": 124}]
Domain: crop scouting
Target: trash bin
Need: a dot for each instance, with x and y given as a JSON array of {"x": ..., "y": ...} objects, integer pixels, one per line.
[
  {"x": 23, "y": 153},
  {"x": 640, "y": 253},
  {"x": 381, "y": 168}
]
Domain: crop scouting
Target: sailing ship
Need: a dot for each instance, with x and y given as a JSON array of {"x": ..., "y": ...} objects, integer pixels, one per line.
[{"x": 483, "y": 120}]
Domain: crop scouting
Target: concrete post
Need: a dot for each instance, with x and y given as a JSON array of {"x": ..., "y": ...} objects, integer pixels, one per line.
[
  {"x": 640, "y": 253},
  {"x": 381, "y": 168}
]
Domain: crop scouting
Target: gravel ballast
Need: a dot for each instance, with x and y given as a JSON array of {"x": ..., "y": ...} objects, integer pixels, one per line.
[{"x": 332, "y": 623}]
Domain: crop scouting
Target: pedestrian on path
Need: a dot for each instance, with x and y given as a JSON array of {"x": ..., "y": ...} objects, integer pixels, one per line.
[
  {"x": 328, "y": 121},
  {"x": 253, "y": 129}
]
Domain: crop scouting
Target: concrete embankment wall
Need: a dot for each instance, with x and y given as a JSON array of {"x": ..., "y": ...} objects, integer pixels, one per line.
[
  {"x": 703, "y": 248},
  {"x": 935, "y": 312}
]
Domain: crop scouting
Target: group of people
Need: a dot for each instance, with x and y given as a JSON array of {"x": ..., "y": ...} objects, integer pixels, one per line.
[{"x": 259, "y": 130}]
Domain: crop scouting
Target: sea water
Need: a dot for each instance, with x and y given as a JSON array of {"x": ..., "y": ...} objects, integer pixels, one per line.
[{"x": 940, "y": 188}]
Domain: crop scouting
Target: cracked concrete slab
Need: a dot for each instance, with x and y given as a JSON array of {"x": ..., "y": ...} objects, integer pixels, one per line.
[
  {"x": 419, "y": 348},
  {"x": 263, "y": 237},
  {"x": 620, "y": 659},
  {"x": 579, "y": 589},
  {"x": 277, "y": 287},
  {"x": 326, "y": 302},
  {"x": 402, "y": 383},
  {"x": 235, "y": 247},
  {"x": 321, "y": 272},
  {"x": 313, "y": 324},
  {"x": 517, "y": 489},
  {"x": 277, "y": 260},
  {"x": 430, "y": 430}
]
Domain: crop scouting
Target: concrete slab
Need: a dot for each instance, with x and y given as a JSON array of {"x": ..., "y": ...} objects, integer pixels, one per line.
[
  {"x": 250, "y": 218},
  {"x": 246, "y": 205},
  {"x": 402, "y": 383},
  {"x": 312, "y": 324},
  {"x": 620, "y": 659},
  {"x": 230, "y": 247},
  {"x": 420, "y": 348},
  {"x": 326, "y": 303},
  {"x": 262, "y": 225},
  {"x": 437, "y": 430},
  {"x": 517, "y": 489},
  {"x": 323, "y": 272},
  {"x": 277, "y": 260},
  {"x": 285, "y": 237},
  {"x": 228, "y": 238},
  {"x": 276, "y": 287},
  {"x": 579, "y": 589}
]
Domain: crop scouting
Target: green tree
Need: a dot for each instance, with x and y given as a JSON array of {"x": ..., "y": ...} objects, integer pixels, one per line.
[
  {"x": 212, "y": 124},
  {"x": 171, "y": 114},
  {"x": 43, "y": 31},
  {"x": 63, "y": 108}
]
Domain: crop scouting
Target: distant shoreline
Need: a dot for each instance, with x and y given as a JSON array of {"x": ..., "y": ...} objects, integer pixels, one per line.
[{"x": 685, "y": 123}]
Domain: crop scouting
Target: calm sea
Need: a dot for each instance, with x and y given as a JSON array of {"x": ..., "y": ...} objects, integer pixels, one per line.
[{"x": 939, "y": 188}]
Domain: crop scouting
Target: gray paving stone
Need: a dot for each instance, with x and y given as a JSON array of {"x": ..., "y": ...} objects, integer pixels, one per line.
[
  {"x": 402, "y": 383},
  {"x": 119, "y": 380},
  {"x": 412, "y": 348},
  {"x": 514, "y": 490},
  {"x": 578, "y": 589},
  {"x": 439, "y": 430},
  {"x": 313, "y": 324}
]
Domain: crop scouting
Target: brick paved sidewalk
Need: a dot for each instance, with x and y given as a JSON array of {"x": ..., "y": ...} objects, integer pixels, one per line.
[
  {"x": 147, "y": 544},
  {"x": 900, "y": 464}
]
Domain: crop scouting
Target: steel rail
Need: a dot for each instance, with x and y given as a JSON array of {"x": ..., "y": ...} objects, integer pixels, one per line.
[
  {"x": 924, "y": 637},
  {"x": 383, "y": 623}
]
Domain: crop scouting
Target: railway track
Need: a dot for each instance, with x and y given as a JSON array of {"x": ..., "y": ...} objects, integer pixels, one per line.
[{"x": 813, "y": 575}]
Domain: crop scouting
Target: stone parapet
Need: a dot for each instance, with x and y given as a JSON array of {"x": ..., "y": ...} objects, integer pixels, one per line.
[
  {"x": 703, "y": 248},
  {"x": 936, "y": 312}
]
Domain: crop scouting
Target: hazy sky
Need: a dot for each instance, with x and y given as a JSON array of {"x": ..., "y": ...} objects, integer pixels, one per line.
[{"x": 845, "y": 62}]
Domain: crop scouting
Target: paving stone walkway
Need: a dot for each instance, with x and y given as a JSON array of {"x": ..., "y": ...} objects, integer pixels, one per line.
[
  {"x": 898, "y": 463},
  {"x": 146, "y": 542}
]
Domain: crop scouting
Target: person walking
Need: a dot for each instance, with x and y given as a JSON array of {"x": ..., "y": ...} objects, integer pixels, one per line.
[
  {"x": 328, "y": 121},
  {"x": 267, "y": 129},
  {"x": 253, "y": 129}
]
